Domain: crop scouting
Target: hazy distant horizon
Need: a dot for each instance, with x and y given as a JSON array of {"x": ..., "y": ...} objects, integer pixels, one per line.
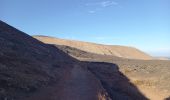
[
  {"x": 142, "y": 24},
  {"x": 158, "y": 53}
]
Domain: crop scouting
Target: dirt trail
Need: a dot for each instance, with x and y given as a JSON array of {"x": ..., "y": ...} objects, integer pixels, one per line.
[{"x": 78, "y": 84}]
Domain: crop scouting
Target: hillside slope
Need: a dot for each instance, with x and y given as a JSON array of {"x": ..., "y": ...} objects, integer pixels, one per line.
[
  {"x": 150, "y": 76},
  {"x": 32, "y": 70},
  {"x": 114, "y": 50},
  {"x": 27, "y": 64}
]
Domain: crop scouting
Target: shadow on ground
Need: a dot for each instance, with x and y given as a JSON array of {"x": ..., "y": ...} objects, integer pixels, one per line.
[
  {"x": 167, "y": 98},
  {"x": 116, "y": 84}
]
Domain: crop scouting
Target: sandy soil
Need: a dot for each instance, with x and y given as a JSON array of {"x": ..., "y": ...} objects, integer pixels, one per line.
[{"x": 151, "y": 93}]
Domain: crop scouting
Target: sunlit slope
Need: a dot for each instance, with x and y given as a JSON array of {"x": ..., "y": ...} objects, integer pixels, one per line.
[{"x": 115, "y": 50}]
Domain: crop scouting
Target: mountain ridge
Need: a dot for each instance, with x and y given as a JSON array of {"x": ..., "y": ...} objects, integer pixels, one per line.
[{"x": 114, "y": 50}]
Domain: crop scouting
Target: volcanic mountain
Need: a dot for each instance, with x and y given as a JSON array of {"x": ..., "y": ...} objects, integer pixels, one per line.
[{"x": 113, "y": 50}]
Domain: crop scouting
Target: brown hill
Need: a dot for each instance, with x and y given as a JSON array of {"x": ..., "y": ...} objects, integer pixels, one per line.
[
  {"x": 27, "y": 64},
  {"x": 32, "y": 70},
  {"x": 114, "y": 50}
]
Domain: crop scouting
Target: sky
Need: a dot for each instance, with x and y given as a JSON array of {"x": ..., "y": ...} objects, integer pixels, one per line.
[{"x": 144, "y": 24}]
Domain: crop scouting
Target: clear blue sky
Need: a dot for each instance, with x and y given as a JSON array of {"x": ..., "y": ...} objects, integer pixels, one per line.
[{"x": 144, "y": 24}]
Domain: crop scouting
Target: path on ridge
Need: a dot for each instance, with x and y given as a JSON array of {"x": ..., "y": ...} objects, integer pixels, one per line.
[{"x": 77, "y": 84}]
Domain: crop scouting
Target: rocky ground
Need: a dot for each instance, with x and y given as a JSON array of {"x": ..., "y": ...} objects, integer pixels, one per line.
[
  {"x": 27, "y": 64},
  {"x": 77, "y": 84},
  {"x": 151, "y": 77}
]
